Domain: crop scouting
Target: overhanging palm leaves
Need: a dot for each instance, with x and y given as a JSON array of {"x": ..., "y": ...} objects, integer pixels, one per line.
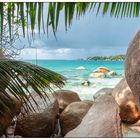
[
  {"x": 19, "y": 80},
  {"x": 29, "y": 14}
]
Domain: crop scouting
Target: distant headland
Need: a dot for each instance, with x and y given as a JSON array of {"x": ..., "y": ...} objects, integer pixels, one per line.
[{"x": 112, "y": 58}]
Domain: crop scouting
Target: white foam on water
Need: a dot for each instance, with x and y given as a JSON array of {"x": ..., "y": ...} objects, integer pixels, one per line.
[{"x": 87, "y": 92}]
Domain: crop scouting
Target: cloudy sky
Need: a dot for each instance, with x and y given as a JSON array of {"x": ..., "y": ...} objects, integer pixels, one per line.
[{"x": 89, "y": 36}]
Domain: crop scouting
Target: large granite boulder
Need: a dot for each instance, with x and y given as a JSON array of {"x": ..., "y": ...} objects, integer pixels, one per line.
[
  {"x": 102, "y": 120},
  {"x": 124, "y": 97},
  {"x": 97, "y": 75},
  {"x": 6, "y": 116},
  {"x": 65, "y": 97},
  {"x": 102, "y": 69},
  {"x": 38, "y": 123},
  {"x": 132, "y": 67},
  {"x": 102, "y": 91},
  {"x": 73, "y": 115}
]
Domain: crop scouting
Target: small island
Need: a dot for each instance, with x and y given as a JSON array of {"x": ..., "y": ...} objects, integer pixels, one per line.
[{"x": 112, "y": 58}]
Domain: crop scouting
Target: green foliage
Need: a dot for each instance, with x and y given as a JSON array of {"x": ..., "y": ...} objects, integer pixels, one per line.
[
  {"x": 20, "y": 79},
  {"x": 116, "y": 57},
  {"x": 32, "y": 13}
]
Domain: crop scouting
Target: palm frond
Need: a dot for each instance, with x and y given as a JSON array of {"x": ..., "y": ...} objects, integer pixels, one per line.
[
  {"x": 34, "y": 12},
  {"x": 20, "y": 79}
]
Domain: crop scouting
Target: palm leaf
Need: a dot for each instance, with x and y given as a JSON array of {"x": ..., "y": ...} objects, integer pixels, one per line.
[
  {"x": 18, "y": 76},
  {"x": 9, "y": 17},
  {"x": 59, "y": 8},
  {"x": 66, "y": 15},
  {"x": 39, "y": 16},
  {"x": 51, "y": 17},
  {"x": 105, "y": 9},
  {"x": 22, "y": 17},
  {"x": 1, "y": 21},
  {"x": 116, "y": 9},
  {"x": 42, "y": 5},
  {"x": 33, "y": 10},
  {"x": 27, "y": 13},
  {"x": 98, "y": 9}
]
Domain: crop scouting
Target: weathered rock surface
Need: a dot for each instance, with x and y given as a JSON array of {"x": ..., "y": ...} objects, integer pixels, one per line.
[
  {"x": 102, "y": 120},
  {"x": 73, "y": 115},
  {"x": 102, "y": 92},
  {"x": 97, "y": 75},
  {"x": 65, "y": 97},
  {"x": 102, "y": 69},
  {"x": 132, "y": 67},
  {"x": 128, "y": 110},
  {"x": 6, "y": 117},
  {"x": 38, "y": 123}
]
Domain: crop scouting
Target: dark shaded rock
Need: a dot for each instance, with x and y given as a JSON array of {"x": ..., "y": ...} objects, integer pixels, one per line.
[
  {"x": 128, "y": 110},
  {"x": 73, "y": 115},
  {"x": 86, "y": 83},
  {"x": 132, "y": 67},
  {"x": 102, "y": 92},
  {"x": 6, "y": 117},
  {"x": 38, "y": 123},
  {"x": 102, "y": 120},
  {"x": 65, "y": 97}
]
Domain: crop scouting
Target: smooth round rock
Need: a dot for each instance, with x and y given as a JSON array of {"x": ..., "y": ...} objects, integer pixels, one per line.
[
  {"x": 65, "y": 97},
  {"x": 73, "y": 115}
]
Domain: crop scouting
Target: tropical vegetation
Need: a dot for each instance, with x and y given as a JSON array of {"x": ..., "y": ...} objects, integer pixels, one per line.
[
  {"x": 113, "y": 58},
  {"x": 32, "y": 15},
  {"x": 46, "y": 15}
]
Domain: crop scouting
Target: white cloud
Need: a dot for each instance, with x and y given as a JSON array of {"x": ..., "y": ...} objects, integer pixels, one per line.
[
  {"x": 62, "y": 51},
  {"x": 30, "y": 53},
  {"x": 67, "y": 53}
]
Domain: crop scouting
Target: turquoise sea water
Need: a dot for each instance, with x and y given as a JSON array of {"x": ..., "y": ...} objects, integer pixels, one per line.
[{"x": 75, "y": 77}]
